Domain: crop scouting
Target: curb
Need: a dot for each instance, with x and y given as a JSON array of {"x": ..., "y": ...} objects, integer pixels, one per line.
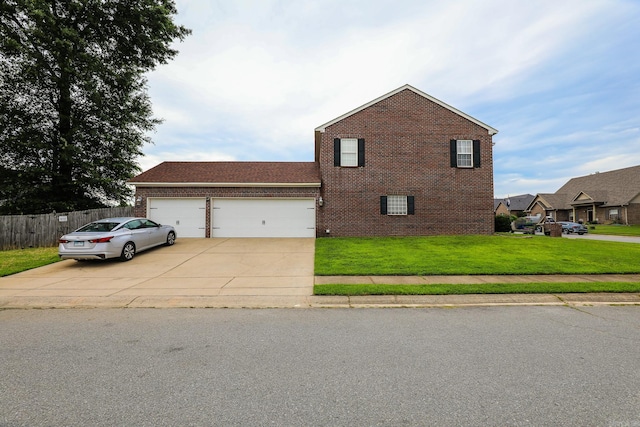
[
  {"x": 474, "y": 300},
  {"x": 373, "y": 301}
]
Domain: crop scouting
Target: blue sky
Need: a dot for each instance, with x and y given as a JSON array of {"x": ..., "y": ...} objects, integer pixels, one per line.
[{"x": 560, "y": 80}]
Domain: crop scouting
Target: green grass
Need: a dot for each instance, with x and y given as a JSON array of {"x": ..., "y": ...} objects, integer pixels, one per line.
[
  {"x": 463, "y": 255},
  {"x": 485, "y": 288},
  {"x": 615, "y": 230},
  {"x": 15, "y": 261}
]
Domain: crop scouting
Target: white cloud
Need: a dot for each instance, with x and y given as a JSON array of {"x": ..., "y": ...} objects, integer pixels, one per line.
[
  {"x": 256, "y": 77},
  {"x": 150, "y": 160}
]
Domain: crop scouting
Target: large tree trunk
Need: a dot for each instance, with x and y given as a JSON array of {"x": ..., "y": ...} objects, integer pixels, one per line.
[{"x": 62, "y": 179}]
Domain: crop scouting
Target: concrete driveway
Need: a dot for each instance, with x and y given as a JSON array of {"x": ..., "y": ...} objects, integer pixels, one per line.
[{"x": 192, "y": 273}]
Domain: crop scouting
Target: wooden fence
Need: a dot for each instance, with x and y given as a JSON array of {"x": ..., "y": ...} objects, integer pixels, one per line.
[{"x": 31, "y": 231}]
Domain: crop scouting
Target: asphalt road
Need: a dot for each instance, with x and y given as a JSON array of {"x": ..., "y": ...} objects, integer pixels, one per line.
[{"x": 485, "y": 366}]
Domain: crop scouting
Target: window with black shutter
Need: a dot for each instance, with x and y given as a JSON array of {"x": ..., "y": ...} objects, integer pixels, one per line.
[
  {"x": 464, "y": 153},
  {"x": 397, "y": 205},
  {"x": 348, "y": 152}
]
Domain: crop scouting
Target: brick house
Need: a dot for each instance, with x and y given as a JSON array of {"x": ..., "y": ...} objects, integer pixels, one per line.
[
  {"x": 402, "y": 164},
  {"x": 607, "y": 197},
  {"x": 512, "y": 205}
]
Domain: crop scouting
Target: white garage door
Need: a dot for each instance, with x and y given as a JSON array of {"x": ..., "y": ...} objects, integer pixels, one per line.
[
  {"x": 263, "y": 217},
  {"x": 188, "y": 216}
]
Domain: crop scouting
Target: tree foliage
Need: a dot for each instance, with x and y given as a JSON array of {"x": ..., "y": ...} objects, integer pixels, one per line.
[
  {"x": 503, "y": 223},
  {"x": 75, "y": 111}
]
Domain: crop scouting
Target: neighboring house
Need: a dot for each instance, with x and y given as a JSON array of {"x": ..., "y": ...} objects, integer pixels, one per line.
[
  {"x": 605, "y": 197},
  {"x": 402, "y": 164},
  {"x": 512, "y": 205}
]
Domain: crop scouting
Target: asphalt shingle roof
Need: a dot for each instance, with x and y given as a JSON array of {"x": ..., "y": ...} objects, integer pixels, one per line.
[
  {"x": 554, "y": 201},
  {"x": 517, "y": 203},
  {"x": 231, "y": 172},
  {"x": 613, "y": 188}
]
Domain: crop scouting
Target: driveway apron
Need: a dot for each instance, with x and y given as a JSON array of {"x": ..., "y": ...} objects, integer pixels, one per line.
[{"x": 192, "y": 273}]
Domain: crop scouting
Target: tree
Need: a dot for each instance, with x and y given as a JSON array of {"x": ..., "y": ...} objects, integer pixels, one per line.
[{"x": 75, "y": 111}]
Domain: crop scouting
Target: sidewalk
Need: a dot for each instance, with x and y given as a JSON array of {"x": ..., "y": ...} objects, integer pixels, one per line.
[
  {"x": 192, "y": 296},
  {"x": 574, "y": 299}
]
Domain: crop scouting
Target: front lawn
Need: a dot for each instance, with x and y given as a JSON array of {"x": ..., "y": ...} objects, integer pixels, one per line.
[
  {"x": 462, "y": 255},
  {"x": 615, "y": 230},
  {"x": 18, "y": 260}
]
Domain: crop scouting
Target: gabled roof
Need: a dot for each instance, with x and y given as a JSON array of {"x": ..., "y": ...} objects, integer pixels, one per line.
[
  {"x": 520, "y": 202},
  {"x": 614, "y": 188},
  {"x": 230, "y": 174},
  {"x": 594, "y": 196},
  {"x": 489, "y": 129},
  {"x": 549, "y": 201},
  {"x": 515, "y": 203}
]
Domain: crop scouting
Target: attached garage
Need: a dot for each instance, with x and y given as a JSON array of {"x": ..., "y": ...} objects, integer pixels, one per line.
[
  {"x": 263, "y": 217},
  {"x": 231, "y": 199},
  {"x": 187, "y": 215}
]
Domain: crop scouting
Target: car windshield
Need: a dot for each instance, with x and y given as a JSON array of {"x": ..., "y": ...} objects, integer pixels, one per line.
[{"x": 99, "y": 227}]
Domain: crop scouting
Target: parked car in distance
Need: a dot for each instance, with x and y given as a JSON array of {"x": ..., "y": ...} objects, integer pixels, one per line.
[
  {"x": 573, "y": 227},
  {"x": 543, "y": 225},
  {"x": 115, "y": 237}
]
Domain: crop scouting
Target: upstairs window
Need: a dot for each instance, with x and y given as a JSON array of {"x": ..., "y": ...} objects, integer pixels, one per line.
[
  {"x": 348, "y": 152},
  {"x": 465, "y": 153}
]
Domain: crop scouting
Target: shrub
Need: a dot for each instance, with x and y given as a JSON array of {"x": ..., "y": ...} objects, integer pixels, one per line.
[{"x": 503, "y": 223}]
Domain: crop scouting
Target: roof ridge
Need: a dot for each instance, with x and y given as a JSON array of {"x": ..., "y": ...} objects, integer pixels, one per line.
[{"x": 491, "y": 130}]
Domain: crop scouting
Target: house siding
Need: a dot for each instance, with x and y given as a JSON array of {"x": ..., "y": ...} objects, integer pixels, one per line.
[
  {"x": 212, "y": 192},
  {"x": 633, "y": 213},
  {"x": 407, "y": 152}
]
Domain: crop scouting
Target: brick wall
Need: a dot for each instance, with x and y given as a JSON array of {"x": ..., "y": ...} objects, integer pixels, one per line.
[
  {"x": 247, "y": 192},
  {"x": 503, "y": 210},
  {"x": 537, "y": 209},
  {"x": 406, "y": 153},
  {"x": 633, "y": 213}
]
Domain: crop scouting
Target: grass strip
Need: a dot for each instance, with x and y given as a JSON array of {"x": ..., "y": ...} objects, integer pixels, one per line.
[
  {"x": 485, "y": 288},
  {"x": 18, "y": 260}
]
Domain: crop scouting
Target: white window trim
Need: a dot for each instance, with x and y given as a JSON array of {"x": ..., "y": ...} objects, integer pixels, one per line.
[
  {"x": 460, "y": 144},
  {"x": 397, "y": 205},
  {"x": 344, "y": 143}
]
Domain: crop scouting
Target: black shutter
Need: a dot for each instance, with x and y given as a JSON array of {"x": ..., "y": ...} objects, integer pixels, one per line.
[
  {"x": 476, "y": 153},
  {"x": 361, "y": 152},
  {"x": 383, "y": 205},
  {"x": 336, "y": 152},
  {"x": 411, "y": 206},
  {"x": 453, "y": 149}
]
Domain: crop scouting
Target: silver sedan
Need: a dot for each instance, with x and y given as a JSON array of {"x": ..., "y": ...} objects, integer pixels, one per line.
[{"x": 115, "y": 237}]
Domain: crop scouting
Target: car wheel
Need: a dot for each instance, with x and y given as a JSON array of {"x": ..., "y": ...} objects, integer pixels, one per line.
[
  {"x": 171, "y": 238},
  {"x": 128, "y": 251}
]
